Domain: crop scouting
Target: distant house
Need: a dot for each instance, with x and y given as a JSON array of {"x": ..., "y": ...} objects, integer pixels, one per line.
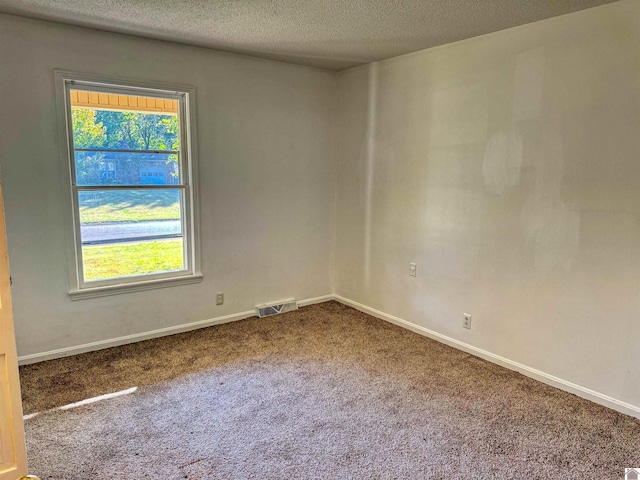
[{"x": 127, "y": 168}]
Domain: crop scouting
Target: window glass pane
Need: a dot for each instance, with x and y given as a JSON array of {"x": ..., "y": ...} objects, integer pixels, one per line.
[
  {"x": 108, "y": 124},
  {"x": 115, "y": 260},
  {"x": 130, "y": 232},
  {"x": 126, "y": 168}
]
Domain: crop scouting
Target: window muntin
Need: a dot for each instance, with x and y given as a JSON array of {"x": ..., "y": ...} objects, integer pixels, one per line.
[{"x": 131, "y": 184}]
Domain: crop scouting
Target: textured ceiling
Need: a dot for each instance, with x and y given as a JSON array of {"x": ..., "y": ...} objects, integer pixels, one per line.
[{"x": 333, "y": 34}]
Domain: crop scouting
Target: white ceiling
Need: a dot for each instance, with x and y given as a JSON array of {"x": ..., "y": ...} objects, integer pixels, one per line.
[{"x": 333, "y": 34}]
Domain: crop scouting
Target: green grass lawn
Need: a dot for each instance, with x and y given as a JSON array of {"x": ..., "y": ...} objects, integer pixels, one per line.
[
  {"x": 102, "y": 262},
  {"x": 128, "y": 205}
]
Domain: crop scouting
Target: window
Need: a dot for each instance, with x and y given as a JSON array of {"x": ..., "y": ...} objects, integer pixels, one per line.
[{"x": 131, "y": 170}]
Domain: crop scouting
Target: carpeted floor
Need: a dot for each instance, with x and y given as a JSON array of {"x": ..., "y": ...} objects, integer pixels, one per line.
[{"x": 322, "y": 393}]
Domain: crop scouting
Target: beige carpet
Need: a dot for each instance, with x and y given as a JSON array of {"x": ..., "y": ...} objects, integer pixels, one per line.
[{"x": 322, "y": 393}]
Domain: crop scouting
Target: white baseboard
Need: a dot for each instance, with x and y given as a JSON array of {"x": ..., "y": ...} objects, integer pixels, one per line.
[
  {"x": 565, "y": 385},
  {"x": 314, "y": 300},
  {"x": 136, "y": 337},
  {"x": 161, "y": 332},
  {"x": 543, "y": 377}
]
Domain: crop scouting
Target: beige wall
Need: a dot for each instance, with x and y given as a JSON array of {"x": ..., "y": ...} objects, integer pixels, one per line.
[
  {"x": 508, "y": 168},
  {"x": 266, "y": 156}
]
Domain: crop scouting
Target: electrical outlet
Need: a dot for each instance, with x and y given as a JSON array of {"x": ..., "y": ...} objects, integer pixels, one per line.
[
  {"x": 412, "y": 269},
  {"x": 219, "y": 298},
  {"x": 466, "y": 323}
]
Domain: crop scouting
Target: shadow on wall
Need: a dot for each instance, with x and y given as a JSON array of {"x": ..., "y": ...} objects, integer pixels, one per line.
[
  {"x": 551, "y": 226},
  {"x": 370, "y": 152}
]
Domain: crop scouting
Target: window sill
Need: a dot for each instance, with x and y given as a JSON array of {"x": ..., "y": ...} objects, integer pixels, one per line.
[{"x": 134, "y": 287}]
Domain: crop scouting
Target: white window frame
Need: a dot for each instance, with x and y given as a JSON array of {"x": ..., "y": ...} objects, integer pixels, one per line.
[{"x": 78, "y": 288}]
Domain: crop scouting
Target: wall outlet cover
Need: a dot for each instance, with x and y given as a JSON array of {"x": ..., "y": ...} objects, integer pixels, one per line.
[{"x": 413, "y": 267}]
